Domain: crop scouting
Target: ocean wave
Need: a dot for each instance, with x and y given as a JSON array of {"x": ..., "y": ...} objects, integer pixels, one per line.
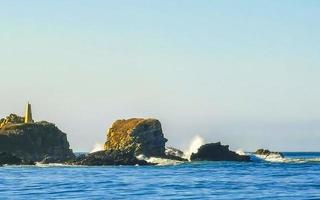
[
  {"x": 159, "y": 161},
  {"x": 278, "y": 159},
  {"x": 53, "y": 165}
]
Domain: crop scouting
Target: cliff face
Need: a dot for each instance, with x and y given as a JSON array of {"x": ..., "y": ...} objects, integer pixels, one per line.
[
  {"x": 142, "y": 136},
  {"x": 35, "y": 141}
]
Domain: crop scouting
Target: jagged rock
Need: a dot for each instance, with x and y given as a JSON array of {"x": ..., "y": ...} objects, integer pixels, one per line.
[
  {"x": 142, "y": 136},
  {"x": 171, "y": 151},
  {"x": 9, "y": 159},
  {"x": 267, "y": 153},
  {"x": 110, "y": 157},
  {"x": 174, "y": 154},
  {"x": 11, "y": 119},
  {"x": 35, "y": 141},
  {"x": 217, "y": 152}
]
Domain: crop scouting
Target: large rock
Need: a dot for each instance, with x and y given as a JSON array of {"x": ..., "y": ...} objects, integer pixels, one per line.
[
  {"x": 142, "y": 136},
  {"x": 217, "y": 152},
  {"x": 34, "y": 141},
  {"x": 110, "y": 157}
]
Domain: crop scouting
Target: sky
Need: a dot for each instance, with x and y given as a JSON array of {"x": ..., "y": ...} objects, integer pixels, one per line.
[{"x": 245, "y": 73}]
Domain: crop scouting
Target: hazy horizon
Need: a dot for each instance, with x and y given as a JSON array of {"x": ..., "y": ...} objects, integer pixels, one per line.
[{"x": 245, "y": 73}]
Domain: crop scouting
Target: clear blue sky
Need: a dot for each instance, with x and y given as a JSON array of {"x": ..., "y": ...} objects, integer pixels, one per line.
[{"x": 242, "y": 72}]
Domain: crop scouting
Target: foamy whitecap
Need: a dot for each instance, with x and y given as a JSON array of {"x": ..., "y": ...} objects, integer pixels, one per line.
[{"x": 158, "y": 161}]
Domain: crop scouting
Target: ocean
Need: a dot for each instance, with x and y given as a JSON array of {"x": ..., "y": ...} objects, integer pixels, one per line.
[{"x": 295, "y": 177}]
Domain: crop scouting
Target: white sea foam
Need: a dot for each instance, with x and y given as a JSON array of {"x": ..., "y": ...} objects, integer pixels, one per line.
[
  {"x": 240, "y": 152},
  {"x": 271, "y": 157},
  {"x": 195, "y": 144},
  {"x": 159, "y": 161},
  {"x": 275, "y": 158},
  {"x": 97, "y": 147},
  {"x": 53, "y": 165}
]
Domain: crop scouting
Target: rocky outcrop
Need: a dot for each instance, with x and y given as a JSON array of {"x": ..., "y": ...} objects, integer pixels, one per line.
[
  {"x": 11, "y": 119},
  {"x": 217, "y": 152},
  {"x": 34, "y": 141},
  {"x": 110, "y": 157},
  {"x": 174, "y": 154},
  {"x": 141, "y": 136},
  {"x": 266, "y": 153},
  {"x": 171, "y": 151}
]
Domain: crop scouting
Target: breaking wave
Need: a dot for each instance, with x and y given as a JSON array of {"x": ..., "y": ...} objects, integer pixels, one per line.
[
  {"x": 159, "y": 161},
  {"x": 278, "y": 159},
  {"x": 195, "y": 144}
]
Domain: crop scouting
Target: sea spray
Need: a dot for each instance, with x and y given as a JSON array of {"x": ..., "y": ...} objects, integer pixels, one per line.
[
  {"x": 240, "y": 152},
  {"x": 195, "y": 144},
  {"x": 97, "y": 147}
]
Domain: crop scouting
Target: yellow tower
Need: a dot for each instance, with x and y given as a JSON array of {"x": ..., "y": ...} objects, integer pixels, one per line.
[{"x": 28, "y": 114}]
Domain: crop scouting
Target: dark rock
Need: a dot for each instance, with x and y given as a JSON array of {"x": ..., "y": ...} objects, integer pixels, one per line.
[
  {"x": 174, "y": 154},
  {"x": 110, "y": 157},
  {"x": 9, "y": 159},
  {"x": 217, "y": 152},
  {"x": 35, "y": 141},
  {"x": 142, "y": 136},
  {"x": 171, "y": 151},
  {"x": 267, "y": 153}
]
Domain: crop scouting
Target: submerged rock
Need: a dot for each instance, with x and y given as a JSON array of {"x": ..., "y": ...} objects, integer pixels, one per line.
[
  {"x": 110, "y": 157},
  {"x": 34, "y": 141},
  {"x": 141, "y": 136},
  {"x": 217, "y": 152},
  {"x": 266, "y": 153}
]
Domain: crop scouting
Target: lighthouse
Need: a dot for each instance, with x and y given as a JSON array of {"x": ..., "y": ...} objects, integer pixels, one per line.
[{"x": 28, "y": 114}]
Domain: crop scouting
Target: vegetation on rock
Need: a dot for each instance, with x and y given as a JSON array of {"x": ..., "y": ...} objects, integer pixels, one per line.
[
  {"x": 34, "y": 141},
  {"x": 11, "y": 119},
  {"x": 142, "y": 136}
]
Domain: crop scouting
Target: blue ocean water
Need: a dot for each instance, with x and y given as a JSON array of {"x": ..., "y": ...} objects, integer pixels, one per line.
[{"x": 296, "y": 177}]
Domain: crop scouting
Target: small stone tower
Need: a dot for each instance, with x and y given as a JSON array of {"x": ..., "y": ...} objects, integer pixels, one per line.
[{"x": 28, "y": 114}]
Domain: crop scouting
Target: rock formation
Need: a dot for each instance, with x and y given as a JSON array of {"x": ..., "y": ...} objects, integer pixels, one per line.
[
  {"x": 110, "y": 157},
  {"x": 142, "y": 136},
  {"x": 171, "y": 151},
  {"x": 11, "y": 119},
  {"x": 217, "y": 152},
  {"x": 266, "y": 153},
  {"x": 174, "y": 154},
  {"x": 33, "y": 141}
]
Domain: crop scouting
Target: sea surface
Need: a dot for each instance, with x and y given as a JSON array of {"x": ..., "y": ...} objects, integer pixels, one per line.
[{"x": 295, "y": 177}]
